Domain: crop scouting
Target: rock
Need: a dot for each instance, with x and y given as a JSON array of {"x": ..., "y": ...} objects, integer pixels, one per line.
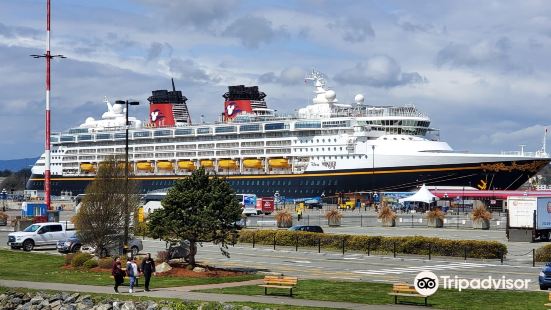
[
  {"x": 83, "y": 306},
  {"x": 71, "y": 299},
  {"x": 199, "y": 269},
  {"x": 68, "y": 307},
  {"x": 55, "y": 304},
  {"x": 16, "y": 301},
  {"x": 228, "y": 307},
  {"x": 36, "y": 300},
  {"x": 164, "y": 267},
  {"x": 141, "y": 306},
  {"x": 55, "y": 297},
  {"x": 117, "y": 305},
  {"x": 64, "y": 295},
  {"x": 103, "y": 307},
  {"x": 128, "y": 306},
  {"x": 152, "y": 306},
  {"x": 3, "y": 297},
  {"x": 83, "y": 297}
]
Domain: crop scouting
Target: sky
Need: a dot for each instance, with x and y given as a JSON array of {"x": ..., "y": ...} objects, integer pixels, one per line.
[{"x": 480, "y": 69}]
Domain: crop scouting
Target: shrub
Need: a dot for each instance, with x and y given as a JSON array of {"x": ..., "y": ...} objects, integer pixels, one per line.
[
  {"x": 69, "y": 258},
  {"x": 105, "y": 263},
  {"x": 162, "y": 256},
  {"x": 333, "y": 214},
  {"x": 79, "y": 259},
  {"x": 284, "y": 218},
  {"x": 91, "y": 263},
  {"x": 543, "y": 254},
  {"x": 386, "y": 214},
  {"x": 417, "y": 245},
  {"x": 436, "y": 213},
  {"x": 481, "y": 214}
]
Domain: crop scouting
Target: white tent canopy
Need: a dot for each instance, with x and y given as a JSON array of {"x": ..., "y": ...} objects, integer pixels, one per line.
[{"x": 423, "y": 195}]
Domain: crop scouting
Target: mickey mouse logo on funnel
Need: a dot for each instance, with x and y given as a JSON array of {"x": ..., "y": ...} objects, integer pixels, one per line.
[{"x": 426, "y": 283}]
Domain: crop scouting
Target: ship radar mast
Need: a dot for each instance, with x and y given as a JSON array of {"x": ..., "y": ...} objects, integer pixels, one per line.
[
  {"x": 319, "y": 81},
  {"x": 323, "y": 94}
]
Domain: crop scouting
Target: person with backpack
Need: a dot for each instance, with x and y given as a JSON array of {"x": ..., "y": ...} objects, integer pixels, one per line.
[
  {"x": 117, "y": 273},
  {"x": 132, "y": 272}
]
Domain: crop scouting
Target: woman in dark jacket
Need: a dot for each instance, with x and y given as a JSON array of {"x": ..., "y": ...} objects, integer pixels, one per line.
[
  {"x": 148, "y": 267},
  {"x": 118, "y": 273}
]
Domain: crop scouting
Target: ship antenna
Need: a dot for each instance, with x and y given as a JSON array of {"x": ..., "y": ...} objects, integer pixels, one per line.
[
  {"x": 48, "y": 56},
  {"x": 173, "y": 87},
  {"x": 544, "y": 141}
]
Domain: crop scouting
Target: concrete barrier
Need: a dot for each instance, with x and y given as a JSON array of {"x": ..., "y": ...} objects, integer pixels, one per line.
[{"x": 266, "y": 223}]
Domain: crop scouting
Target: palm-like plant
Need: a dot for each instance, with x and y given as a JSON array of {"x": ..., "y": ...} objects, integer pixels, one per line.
[
  {"x": 481, "y": 217},
  {"x": 436, "y": 217},
  {"x": 333, "y": 216},
  {"x": 481, "y": 214},
  {"x": 284, "y": 218},
  {"x": 386, "y": 215}
]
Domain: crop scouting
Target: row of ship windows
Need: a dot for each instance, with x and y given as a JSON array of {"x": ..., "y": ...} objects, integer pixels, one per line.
[
  {"x": 317, "y": 141},
  {"x": 317, "y": 149},
  {"x": 157, "y": 183},
  {"x": 121, "y": 136}
]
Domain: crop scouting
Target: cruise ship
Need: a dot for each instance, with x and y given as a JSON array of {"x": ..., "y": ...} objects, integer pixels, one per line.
[{"x": 324, "y": 149}]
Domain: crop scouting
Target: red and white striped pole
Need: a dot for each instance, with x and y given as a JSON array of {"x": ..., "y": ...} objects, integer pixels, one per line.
[
  {"x": 48, "y": 56},
  {"x": 47, "y": 188}
]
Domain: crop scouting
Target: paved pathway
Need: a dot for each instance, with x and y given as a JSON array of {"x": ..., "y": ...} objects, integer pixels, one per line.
[{"x": 187, "y": 294}]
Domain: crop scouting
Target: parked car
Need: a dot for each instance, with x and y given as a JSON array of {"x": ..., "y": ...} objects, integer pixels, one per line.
[
  {"x": 545, "y": 277},
  {"x": 313, "y": 205},
  {"x": 40, "y": 234},
  {"x": 179, "y": 250},
  {"x": 69, "y": 245},
  {"x": 308, "y": 228},
  {"x": 134, "y": 244},
  {"x": 242, "y": 223}
]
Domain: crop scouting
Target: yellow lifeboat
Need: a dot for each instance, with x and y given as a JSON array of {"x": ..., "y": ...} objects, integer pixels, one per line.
[
  {"x": 278, "y": 163},
  {"x": 164, "y": 165},
  {"x": 207, "y": 163},
  {"x": 87, "y": 167},
  {"x": 252, "y": 163},
  {"x": 227, "y": 164},
  {"x": 186, "y": 165},
  {"x": 144, "y": 165}
]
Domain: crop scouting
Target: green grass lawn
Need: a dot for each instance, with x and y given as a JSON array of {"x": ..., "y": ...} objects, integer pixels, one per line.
[
  {"x": 39, "y": 267},
  {"x": 377, "y": 293}
]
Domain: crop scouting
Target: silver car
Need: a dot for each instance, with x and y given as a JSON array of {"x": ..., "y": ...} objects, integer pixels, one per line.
[{"x": 134, "y": 245}]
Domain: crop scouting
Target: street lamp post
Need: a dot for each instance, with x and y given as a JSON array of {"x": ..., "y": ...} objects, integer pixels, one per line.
[
  {"x": 126, "y": 211},
  {"x": 373, "y": 173}
]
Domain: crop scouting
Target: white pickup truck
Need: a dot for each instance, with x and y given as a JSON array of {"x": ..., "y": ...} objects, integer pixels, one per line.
[{"x": 39, "y": 234}]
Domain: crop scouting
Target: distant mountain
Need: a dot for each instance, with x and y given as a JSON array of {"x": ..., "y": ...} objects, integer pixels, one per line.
[{"x": 17, "y": 164}]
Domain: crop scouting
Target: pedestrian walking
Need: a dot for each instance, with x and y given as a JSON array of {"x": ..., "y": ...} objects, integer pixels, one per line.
[
  {"x": 118, "y": 273},
  {"x": 299, "y": 214},
  {"x": 132, "y": 272},
  {"x": 148, "y": 268}
]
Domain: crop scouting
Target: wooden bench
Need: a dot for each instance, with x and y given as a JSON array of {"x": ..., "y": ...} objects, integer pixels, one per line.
[
  {"x": 549, "y": 303},
  {"x": 405, "y": 290},
  {"x": 279, "y": 282}
]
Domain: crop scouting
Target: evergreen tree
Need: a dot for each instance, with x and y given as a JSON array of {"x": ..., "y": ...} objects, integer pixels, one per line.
[{"x": 199, "y": 208}]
